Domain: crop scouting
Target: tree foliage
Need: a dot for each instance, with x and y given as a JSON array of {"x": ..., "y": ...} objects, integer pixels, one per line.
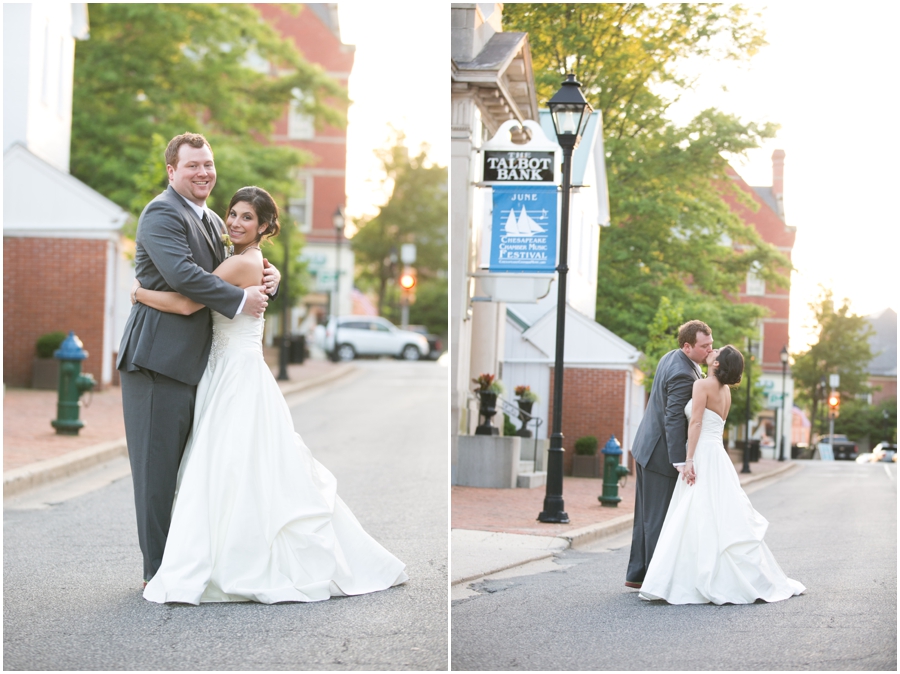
[
  {"x": 152, "y": 71},
  {"x": 842, "y": 348},
  {"x": 860, "y": 420},
  {"x": 674, "y": 237},
  {"x": 415, "y": 213}
]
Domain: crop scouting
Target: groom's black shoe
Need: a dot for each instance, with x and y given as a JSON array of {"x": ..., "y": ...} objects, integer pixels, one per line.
[{"x": 636, "y": 586}]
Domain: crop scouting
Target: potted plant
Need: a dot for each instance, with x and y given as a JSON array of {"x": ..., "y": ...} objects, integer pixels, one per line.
[
  {"x": 526, "y": 398},
  {"x": 489, "y": 387},
  {"x": 585, "y": 463},
  {"x": 45, "y": 369}
]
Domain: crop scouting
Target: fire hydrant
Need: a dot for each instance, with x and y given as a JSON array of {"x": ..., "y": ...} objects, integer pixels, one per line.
[
  {"x": 612, "y": 472},
  {"x": 71, "y": 385}
]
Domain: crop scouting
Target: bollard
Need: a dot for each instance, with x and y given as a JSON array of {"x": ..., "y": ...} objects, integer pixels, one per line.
[
  {"x": 71, "y": 385},
  {"x": 612, "y": 471}
]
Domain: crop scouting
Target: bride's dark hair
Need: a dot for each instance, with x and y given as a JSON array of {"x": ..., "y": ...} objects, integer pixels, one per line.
[
  {"x": 264, "y": 205},
  {"x": 731, "y": 366}
]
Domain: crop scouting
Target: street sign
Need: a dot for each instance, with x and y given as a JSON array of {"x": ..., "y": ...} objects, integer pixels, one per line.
[
  {"x": 834, "y": 380},
  {"x": 408, "y": 253},
  {"x": 523, "y": 228}
]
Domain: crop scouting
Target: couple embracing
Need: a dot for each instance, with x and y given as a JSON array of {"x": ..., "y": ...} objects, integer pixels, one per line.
[
  {"x": 697, "y": 539},
  {"x": 230, "y": 503}
]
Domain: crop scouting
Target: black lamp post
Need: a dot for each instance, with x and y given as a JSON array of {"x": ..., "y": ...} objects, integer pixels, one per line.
[
  {"x": 746, "y": 468},
  {"x": 784, "y": 363},
  {"x": 571, "y": 112},
  {"x": 285, "y": 307},
  {"x": 338, "y": 220}
]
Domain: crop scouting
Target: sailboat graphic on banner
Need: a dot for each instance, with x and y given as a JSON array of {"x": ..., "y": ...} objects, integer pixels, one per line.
[{"x": 524, "y": 225}]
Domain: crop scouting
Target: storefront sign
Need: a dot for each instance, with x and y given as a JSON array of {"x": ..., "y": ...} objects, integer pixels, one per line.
[
  {"x": 523, "y": 228},
  {"x": 518, "y": 166}
]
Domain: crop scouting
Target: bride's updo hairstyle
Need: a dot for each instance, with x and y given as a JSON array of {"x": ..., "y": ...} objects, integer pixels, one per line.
[
  {"x": 731, "y": 366},
  {"x": 264, "y": 205}
]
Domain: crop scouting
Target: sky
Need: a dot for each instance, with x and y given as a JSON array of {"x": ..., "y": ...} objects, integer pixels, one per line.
[
  {"x": 829, "y": 78},
  {"x": 399, "y": 78}
]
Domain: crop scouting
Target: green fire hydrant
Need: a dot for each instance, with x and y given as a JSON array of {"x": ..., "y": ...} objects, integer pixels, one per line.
[
  {"x": 612, "y": 472},
  {"x": 71, "y": 385}
]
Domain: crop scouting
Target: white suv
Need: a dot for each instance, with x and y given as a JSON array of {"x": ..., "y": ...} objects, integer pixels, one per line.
[{"x": 373, "y": 336}]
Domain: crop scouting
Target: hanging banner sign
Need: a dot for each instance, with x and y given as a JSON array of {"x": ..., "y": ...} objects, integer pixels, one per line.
[
  {"x": 518, "y": 166},
  {"x": 523, "y": 228}
]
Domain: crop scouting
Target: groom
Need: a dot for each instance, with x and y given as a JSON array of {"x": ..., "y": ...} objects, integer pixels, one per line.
[
  {"x": 660, "y": 444},
  {"x": 162, "y": 356}
]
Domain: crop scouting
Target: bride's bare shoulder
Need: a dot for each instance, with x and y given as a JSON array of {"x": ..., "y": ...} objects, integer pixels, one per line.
[{"x": 242, "y": 270}]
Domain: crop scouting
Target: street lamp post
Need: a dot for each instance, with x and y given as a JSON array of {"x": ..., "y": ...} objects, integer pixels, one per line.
[
  {"x": 338, "y": 221},
  {"x": 784, "y": 363},
  {"x": 746, "y": 467},
  {"x": 570, "y": 112},
  {"x": 285, "y": 307}
]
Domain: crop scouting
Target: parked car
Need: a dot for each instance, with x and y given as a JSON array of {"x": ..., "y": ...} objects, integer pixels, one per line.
[
  {"x": 844, "y": 449},
  {"x": 372, "y": 336},
  {"x": 435, "y": 345},
  {"x": 884, "y": 451}
]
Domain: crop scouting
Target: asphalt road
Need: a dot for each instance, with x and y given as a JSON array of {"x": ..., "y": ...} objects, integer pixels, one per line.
[
  {"x": 72, "y": 572},
  {"x": 832, "y": 526}
]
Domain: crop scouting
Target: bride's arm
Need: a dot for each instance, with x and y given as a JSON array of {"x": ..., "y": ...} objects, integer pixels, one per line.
[
  {"x": 697, "y": 406},
  {"x": 238, "y": 270}
]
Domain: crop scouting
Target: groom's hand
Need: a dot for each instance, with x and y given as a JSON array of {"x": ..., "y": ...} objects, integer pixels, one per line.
[
  {"x": 257, "y": 301},
  {"x": 271, "y": 277}
]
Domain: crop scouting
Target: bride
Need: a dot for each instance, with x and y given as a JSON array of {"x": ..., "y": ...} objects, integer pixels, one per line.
[
  {"x": 255, "y": 517},
  {"x": 711, "y": 546}
]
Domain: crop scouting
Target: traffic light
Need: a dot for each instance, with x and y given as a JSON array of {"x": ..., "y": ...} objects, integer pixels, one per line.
[
  {"x": 834, "y": 404},
  {"x": 408, "y": 285}
]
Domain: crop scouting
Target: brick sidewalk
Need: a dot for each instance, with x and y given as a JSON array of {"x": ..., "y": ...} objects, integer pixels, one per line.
[
  {"x": 515, "y": 511},
  {"x": 27, "y": 413}
]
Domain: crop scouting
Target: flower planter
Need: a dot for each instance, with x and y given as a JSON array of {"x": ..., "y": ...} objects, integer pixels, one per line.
[
  {"x": 524, "y": 406},
  {"x": 586, "y": 466},
  {"x": 486, "y": 410}
]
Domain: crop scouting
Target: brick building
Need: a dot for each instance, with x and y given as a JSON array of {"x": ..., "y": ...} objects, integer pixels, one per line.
[
  {"x": 62, "y": 258},
  {"x": 321, "y": 186},
  {"x": 769, "y": 222}
]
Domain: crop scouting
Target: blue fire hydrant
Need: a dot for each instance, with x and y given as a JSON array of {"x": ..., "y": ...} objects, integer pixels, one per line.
[
  {"x": 71, "y": 385},
  {"x": 612, "y": 472}
]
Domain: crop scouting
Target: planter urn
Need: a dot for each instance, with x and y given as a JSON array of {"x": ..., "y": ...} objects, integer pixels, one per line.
[{"x": 487, "y": 408}]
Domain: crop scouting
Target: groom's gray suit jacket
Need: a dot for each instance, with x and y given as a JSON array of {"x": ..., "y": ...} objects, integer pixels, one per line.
[
  {"x": 661, "y": 438},
  {"x": 174, "y": 251}
]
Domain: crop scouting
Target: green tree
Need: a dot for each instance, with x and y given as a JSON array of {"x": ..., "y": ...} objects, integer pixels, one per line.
[
  {"x": 152, "y": 71},
  {"x": 842, "y": 348},
  {"x": 415, "y": 213},
  {"x": 860, "y": 421},
  {"x": 674, "y": 235}
]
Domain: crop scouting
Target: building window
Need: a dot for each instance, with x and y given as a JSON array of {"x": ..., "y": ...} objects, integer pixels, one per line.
[
  {"x": 756, "y": 285},
  {"x": 299, "y": 205},
  {"x": 300, "y": 123}
]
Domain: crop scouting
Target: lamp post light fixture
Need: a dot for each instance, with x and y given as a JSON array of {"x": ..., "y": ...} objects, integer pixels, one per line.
[
  {"x": 338, "y": 221},
  {"x": 570, "y": 112},
  {"x": 785, "y": 356}
]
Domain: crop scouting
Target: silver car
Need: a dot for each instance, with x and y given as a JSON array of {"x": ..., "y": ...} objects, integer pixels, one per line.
[{"x": 373, "y": 336}]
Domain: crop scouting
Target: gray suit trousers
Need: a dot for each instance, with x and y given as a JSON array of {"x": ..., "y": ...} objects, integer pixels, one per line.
[
  {"x": 653, "y": 492},
  {"x": 158, "y": 414}
]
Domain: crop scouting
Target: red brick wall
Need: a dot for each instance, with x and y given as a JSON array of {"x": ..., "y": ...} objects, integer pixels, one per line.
[
  {"x": 593, "y": 404},
  {"x": 49, "y": 285}
]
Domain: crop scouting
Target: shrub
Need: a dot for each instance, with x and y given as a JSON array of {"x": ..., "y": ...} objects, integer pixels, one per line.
[
  {"x": 47, "y": 344},
  {"x": 525, "y": 394},
  {"x": 586, "y": 446}
]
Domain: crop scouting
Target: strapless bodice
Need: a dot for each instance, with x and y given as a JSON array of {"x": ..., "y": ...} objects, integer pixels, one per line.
[
  {"x": 713, "y": 424},
  {"x": 240, "y": 333}
]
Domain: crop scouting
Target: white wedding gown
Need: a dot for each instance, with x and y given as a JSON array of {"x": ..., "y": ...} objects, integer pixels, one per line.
[
  {"x": 256, "y": 517},
  {"x": 711, "y": 546}
]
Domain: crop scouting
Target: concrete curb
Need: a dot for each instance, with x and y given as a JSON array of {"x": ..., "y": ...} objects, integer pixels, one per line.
[
  {"x": 595, "y": 532},
  {"x": 22, "y": 479},
  {"x": 27, "y": 477}
]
